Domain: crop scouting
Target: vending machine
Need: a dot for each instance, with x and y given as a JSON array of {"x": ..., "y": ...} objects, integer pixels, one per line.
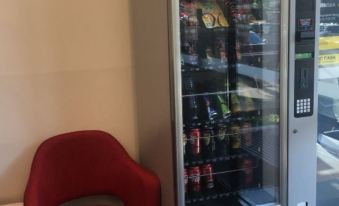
[{"x": 245, "y": 103}]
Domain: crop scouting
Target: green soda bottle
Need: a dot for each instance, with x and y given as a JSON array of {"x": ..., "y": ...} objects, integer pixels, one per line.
[
  {"x": 235, "y": 103},
  {"x": 225, "y": 110}
]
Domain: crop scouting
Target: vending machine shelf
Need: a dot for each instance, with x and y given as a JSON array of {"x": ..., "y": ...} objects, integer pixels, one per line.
[
  {"x": 211, "y": 197},
  {"x": 240, "y": 117},
  {"x": 218, "y": 198},
  {"x": 216, "y": 160},
  {"x": 240, "y": 132},
  {"x": 210, "y": 93},
  {"x": 220, "y": 169}
]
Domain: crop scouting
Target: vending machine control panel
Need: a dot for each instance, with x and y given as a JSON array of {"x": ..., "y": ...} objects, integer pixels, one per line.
[{"x": 304, "y": 58}]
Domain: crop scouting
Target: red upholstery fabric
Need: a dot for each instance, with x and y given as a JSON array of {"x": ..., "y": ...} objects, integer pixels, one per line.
[{"x": 86, "y": 163}]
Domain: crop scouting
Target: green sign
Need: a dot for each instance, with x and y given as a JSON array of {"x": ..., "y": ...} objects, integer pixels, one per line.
[{"x": 301, "y": 56}]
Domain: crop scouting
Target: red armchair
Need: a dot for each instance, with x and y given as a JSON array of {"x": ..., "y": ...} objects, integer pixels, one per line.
[{"x": 87, "y": 163}]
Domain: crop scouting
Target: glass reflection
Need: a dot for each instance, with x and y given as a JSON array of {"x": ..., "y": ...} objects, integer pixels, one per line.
[{"x": 328, "y": 127}]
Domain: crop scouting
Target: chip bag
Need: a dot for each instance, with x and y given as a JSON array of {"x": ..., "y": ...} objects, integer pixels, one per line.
[{"x": 212, "y": 15}]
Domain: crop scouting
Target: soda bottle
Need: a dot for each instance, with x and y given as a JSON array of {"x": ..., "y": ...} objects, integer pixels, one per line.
[
  {"x": 207, "y": 176},
  {"x": 191, "y": 103},
  {"x": 220, "y": 50},
  {"x": 195, "y": 182},
  {"x": 209, "y": 56},
  {"x": 222, "y": 141},
  {"x": 189, "y": 53},
  {"x": 247, "y": 134},
  {"x": 247, "y": 102},
  {"x": 235, "y": 103},
  {"x": 223, "y": 56},
  {"x": 194, "y": 141},
  {"x": 191, "y": 109},
  {"x": 235, "y": 139},
  {"x": 257, "y": 8},
  {"x": 255, "y": 4},
  {"x": 208, "y": 142},
  {"x": 188, "y": 85},
  {"x": 247, "y": 179},
  {"x": 224, "y": 109},
  {"x": 211, "y": 111},
  {"x": 194, "y": 108}
]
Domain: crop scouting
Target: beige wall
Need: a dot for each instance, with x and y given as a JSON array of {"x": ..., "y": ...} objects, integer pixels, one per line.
[
  {"x": 151, "y": 57},
  {"x": 65, "y": 65}
]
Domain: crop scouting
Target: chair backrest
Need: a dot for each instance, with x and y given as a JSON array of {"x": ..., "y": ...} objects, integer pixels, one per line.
[{"x": 79, "y": 164}]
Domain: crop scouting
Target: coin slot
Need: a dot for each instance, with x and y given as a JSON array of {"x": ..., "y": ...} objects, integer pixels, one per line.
[{"x": 304, "y": 78}]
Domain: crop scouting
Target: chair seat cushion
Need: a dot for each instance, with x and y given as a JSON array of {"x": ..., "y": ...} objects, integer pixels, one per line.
[{"x": 98, "y": 200}]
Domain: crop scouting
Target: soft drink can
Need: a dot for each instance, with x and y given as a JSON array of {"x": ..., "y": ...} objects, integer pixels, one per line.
[
  {"x": 195, "y": 141},
  {"x": 248, "y": 171},
  {"x": 194, "y": 175},
  {"x": 207, "y": 172}
]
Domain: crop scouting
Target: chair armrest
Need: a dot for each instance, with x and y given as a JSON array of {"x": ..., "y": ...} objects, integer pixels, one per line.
[{"x": 144, "y": 185}]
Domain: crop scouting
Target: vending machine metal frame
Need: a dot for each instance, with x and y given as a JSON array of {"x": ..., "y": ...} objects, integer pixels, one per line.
[
  {"x": 176, "y": 94},
  {"x": 284, "y": 79},
  {"x": 290, "y": 128},
  {"x": 302, "y": 129}
]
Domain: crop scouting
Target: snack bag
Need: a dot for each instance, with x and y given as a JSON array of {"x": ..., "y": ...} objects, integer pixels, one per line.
[
  {"x": 212, "y": 15},
  {"x": 188, "y": 12}
]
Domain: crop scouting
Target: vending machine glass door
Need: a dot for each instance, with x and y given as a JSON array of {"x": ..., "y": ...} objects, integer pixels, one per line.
[
  {"x": 227, "y": 62},
  {"x": 328, "y": 115}
]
